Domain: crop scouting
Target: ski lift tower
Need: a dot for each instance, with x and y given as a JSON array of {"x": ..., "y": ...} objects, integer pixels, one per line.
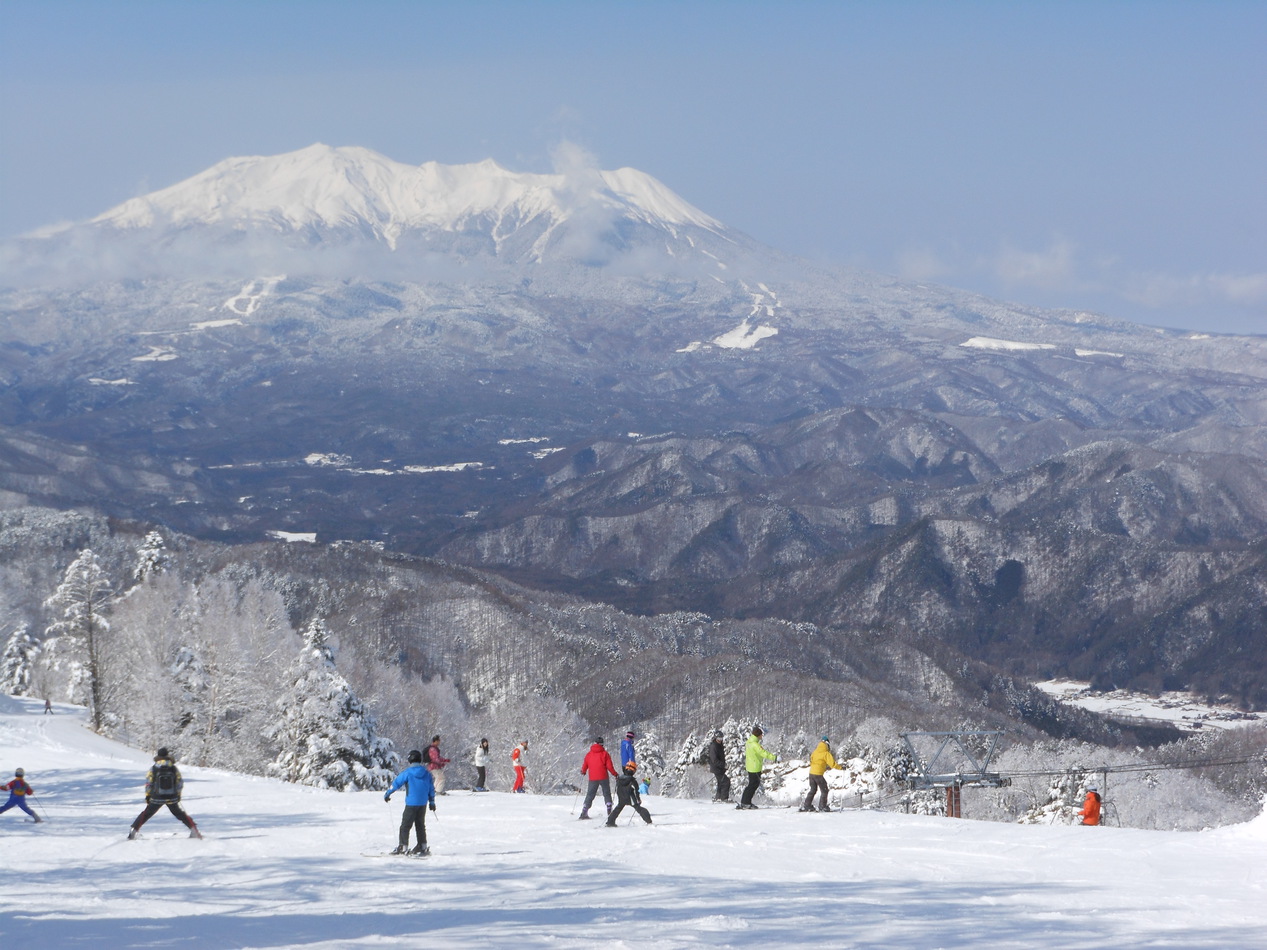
[{"x": 952, "y": 752}]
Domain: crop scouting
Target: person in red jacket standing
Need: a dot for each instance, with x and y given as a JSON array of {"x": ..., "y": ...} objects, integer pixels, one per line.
[
  {"x": 1091, "y": 807},
  {"x": 597, "y": 766},
  {"x": 436, "y": 763}
]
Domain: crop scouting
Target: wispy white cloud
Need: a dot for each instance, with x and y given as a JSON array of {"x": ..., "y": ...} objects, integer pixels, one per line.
[{"x": 1052, "y": 268}]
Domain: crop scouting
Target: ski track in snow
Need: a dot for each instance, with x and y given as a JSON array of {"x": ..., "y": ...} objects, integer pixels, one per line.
[
  {"x": 282, "y": 866},
  {"x": 248, "y": 299}
]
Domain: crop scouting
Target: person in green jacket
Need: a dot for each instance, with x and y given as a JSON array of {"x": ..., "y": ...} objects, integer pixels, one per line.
[
  {"x": 820, "y": 761},
  {"x": 755, "y": 758}
]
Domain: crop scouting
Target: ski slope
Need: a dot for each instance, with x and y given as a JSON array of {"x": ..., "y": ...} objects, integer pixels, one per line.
[{"x": 283, "y": 866}]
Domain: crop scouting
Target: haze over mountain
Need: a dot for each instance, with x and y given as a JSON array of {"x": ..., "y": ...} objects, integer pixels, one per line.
[{"x": 584, "y": 382}]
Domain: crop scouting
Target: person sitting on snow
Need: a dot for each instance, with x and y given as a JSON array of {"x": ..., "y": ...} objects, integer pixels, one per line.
[{"x": 18, "y": 790}]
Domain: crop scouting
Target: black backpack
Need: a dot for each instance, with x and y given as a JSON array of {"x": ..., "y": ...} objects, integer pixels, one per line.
[{"x": 164, "y": 788}]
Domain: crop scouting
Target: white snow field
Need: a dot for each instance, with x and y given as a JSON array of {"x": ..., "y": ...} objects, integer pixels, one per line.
[{"x": 283, "y": 866}]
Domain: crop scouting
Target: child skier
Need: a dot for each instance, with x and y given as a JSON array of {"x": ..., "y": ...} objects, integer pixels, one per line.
[
  {"x": 18, "y": 790},
  {"x": 420, "y": 794},
  {"x": 627, "y": 794},
  {"x": 163, "y": 786}
]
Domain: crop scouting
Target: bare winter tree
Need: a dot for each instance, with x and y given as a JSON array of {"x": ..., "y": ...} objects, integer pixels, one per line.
[{"x": 82, "y": 599}]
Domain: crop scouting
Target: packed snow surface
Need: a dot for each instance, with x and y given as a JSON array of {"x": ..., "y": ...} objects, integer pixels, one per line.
[{"x": 289, "y": 866}]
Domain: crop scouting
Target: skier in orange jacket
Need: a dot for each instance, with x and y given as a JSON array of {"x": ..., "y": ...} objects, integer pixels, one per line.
[{"x": 1091, "y": 807}]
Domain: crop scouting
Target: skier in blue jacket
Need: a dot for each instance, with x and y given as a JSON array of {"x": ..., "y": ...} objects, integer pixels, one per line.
[
  {"x": 420, "y": 794},
  {"x": 627, "y": 749}
]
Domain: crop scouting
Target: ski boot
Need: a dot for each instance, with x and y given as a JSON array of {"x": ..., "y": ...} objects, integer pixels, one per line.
[
  {"x": 421, "y": 851},
  {"x": 193, "y": 831},
  {"x": 132, "y": 833},
  {"x": 585, "y": 815}
]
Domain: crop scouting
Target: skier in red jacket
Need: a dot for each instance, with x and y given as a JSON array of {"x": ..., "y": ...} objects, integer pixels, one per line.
[{"x": 597, "y": 766}]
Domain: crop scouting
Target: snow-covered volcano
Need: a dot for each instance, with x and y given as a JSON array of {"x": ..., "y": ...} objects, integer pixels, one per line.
[{"x": 323, "y": 196}]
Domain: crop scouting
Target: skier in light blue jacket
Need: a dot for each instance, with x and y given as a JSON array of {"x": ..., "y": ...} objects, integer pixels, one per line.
[{"x": 420, "y": 794}]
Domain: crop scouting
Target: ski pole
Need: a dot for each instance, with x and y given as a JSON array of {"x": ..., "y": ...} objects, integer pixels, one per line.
[
  {"x": 572, "y": 810},
  {"x": 39, "y": 806}
]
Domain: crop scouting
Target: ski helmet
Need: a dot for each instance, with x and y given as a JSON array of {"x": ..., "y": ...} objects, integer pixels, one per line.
[
  {"x": 756, "y": 731},
  {"x": 629, "y": 735},
  {"x": 598, "y": 740},
  {"x": 162, "y": 754},
  {"x": 631, "y": 766},
  {"x": 415, "y": 756},
  {"x": 19, "y": 773}
]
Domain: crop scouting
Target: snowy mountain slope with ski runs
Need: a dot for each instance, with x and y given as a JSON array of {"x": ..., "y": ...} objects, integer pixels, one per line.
[
  {"x": 285, "y": 866},
  {"x": 850, "y": 450}
]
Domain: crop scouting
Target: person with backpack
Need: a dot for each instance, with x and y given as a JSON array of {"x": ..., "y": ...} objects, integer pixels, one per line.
[
  {"x": 1091, "y": 806},
  {"x": 436, "y": 763},
  {"x": 717, "y": 765},
  {"x": 519, "y": 759},
  {"x": 820, "y": 761},
  {"x": 627, "y": 749},
  {"x": 482, "y": 756},
  {"x": 597, "y": 766},
  {"x": 18, "y": 791},
  {"x": 627, "y": 794},
  {"x": 755, "y": 758},
  {"x": 163, "y": 785},
  {"x": 420, "y": 794}
]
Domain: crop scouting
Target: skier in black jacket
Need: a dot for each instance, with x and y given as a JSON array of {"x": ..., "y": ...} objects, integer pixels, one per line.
[
  {"x": 163, "y": 786},
  {"x": 627, "y": 794},
  {"x": 717, "y": 765}
]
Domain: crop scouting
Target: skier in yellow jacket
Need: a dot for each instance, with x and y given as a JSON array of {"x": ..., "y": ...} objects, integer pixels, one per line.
[{"x": 820, "y": 761}]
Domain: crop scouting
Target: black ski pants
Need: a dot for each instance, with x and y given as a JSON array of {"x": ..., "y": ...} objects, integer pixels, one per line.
[
  {"x": 415, "y": 817},
  {"x": 817, "y": 783},
  {"x": 151, "y": 809},
  {"x": 635, "y": 805},
  {"x": 723, "y": 785},
  {"x": 754, "y": 782},
  {"x": 480, "y": 775}
]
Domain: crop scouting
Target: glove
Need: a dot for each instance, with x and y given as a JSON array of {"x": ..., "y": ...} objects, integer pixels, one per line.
[
  {"x": 387, "y": 798},
  {"x": 432, "y": 806}
]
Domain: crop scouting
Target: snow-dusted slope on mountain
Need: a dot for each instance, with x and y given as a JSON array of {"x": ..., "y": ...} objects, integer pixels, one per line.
[{"x": 322, "y": 190}]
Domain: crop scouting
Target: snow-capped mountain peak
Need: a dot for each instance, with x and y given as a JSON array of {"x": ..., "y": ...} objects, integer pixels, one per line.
[{"x": 352, "y": 188}]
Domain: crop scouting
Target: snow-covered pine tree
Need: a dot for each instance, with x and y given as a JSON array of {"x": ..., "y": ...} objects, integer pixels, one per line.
[
  {"x": 1064, "y": 796},
  {"x": 151, "y": 557},
  {"x": 16, "y": 664},
  {"x": 79, "y": 638},
  {"x": 649, "y": 754},
  {"x": 326, "y": 737}
]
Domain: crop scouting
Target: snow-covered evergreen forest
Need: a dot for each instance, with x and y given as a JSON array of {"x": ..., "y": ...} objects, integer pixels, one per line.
[{"x": 324, "y": 664}]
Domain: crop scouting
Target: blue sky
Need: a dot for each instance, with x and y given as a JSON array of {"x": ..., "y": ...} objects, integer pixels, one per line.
[{"x": 1108, "y": 156}]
